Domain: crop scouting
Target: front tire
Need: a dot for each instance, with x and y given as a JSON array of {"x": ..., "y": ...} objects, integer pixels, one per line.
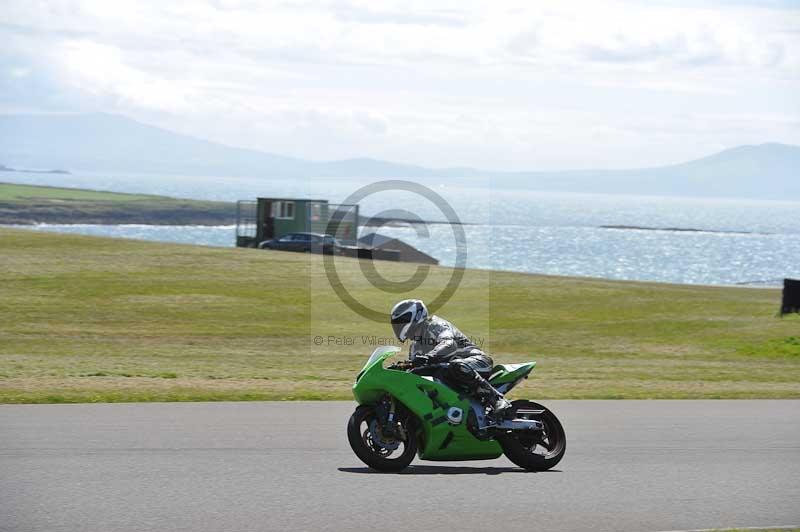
[
  {"x": 538, "y": 452},
  {"x": 367, "y": 448}
]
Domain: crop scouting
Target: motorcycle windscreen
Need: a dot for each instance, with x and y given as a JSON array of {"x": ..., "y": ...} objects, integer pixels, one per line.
[{"x": 382, "y": 351}]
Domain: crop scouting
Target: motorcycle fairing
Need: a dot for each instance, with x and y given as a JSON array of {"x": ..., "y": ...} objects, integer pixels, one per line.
[{"x": 429, "y": 401}]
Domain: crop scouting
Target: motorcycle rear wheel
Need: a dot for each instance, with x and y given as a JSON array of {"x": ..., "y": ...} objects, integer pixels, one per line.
[
  {"x": 364, "y": 444},
  {"x": 538, "y": 452}
]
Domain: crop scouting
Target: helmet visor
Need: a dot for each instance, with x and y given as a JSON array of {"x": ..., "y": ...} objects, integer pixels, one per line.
[{"x": 401, "y": 326}]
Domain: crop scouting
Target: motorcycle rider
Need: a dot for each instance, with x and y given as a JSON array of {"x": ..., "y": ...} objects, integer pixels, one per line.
[{"x": 436, "y": 340}]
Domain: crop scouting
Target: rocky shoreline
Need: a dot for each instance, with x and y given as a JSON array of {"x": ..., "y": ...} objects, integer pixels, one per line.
[
  {"x": 32, "y": 205},
  {"x": 116, "y": 213},
  {"x": 677, "y": 229}
]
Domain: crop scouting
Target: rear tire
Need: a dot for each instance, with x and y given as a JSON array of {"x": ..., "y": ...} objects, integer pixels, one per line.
[
  {"x": 534, "y": 453},
  {"x": 362, "y": 443}
]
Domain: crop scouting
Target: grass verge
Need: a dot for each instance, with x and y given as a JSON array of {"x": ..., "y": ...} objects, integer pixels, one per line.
[{"x": 96, "y": 319}]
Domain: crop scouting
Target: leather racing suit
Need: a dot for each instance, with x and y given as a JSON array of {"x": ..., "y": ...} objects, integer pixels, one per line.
[{"x": 439, "y": 341}]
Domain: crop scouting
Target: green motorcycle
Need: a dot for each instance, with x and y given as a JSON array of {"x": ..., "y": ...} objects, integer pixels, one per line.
[{"x": 404, "y": 411}]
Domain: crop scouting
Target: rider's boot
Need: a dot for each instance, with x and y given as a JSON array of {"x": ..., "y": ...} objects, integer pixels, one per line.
[
  {"x": 500, "y": 407},
  {"x": 480, "y": 388},
  {"x": 493, "y": 399}
]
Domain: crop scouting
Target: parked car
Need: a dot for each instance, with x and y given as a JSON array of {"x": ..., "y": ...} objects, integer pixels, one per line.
[{"x": 304, "y": 242}]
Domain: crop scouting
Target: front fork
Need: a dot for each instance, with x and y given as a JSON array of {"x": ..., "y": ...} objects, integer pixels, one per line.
[{"x": 387, "y": 417}]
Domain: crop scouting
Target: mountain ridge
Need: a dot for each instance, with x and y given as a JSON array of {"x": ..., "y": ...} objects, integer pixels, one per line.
[{"x": 105, "y": 142}]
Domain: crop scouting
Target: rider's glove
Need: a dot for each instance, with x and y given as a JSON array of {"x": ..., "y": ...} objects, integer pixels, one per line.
[{"x": 419, "y": 361}]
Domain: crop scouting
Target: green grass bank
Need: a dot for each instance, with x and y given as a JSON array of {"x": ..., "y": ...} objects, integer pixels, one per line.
[
  {"x": 30, "y": 204},
  {"x": 96, "y": 319}
]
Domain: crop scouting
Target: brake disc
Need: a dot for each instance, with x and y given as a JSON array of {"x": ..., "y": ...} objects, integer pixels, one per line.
[{"x": 378, "y": 437}]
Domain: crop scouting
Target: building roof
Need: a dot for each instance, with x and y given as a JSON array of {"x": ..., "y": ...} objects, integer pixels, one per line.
[
  {"x": 408, "y": 253},
  {"x": 293, "y": 199},
  {"x": 375, "y": 240}
]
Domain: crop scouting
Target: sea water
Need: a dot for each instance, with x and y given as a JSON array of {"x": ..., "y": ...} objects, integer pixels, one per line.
[{"x": 735, "y": 242}]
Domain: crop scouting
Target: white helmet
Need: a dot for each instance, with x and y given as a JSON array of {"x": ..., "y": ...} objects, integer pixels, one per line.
[{"x": 406, "y": 315}]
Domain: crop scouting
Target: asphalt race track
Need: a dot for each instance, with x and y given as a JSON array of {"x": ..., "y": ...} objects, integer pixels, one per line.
[{"x": 630, "y": 465}]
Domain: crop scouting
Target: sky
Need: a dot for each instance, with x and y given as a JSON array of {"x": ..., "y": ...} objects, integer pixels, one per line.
[{"x": 501, "y": 85}]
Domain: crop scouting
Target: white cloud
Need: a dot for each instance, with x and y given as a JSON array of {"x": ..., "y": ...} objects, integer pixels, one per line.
[
  {"x": 514, "y": 85},
  {"x": 101, "y": 70}
]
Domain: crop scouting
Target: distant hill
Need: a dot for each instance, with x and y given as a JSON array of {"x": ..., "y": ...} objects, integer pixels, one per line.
[
  {"x": 104, "y": 142},
  {"x": 112, "y": 143},
  {"x": 765, "y": 171}
]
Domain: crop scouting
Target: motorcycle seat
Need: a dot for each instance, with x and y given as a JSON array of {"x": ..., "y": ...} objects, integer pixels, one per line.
[{"x": 502, "y": 370}]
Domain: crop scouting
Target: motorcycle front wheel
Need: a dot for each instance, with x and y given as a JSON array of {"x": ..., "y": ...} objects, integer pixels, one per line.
[
  {"x": 539, "y": 451},
  {"x": 374, "y": 449}
]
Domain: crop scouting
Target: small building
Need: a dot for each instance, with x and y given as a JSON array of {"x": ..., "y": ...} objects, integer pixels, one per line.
[
  {"x": 267, "y": 218},
  {"x": 406, "y": 252}
]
